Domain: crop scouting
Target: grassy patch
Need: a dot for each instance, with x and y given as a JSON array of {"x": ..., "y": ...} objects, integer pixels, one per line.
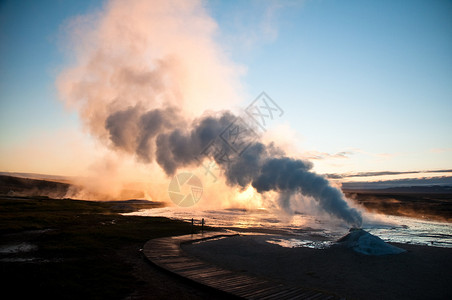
[{"x": 77, "y": 253}]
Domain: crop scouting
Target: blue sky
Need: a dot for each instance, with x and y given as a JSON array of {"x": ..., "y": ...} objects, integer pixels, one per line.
[
  {"x": 30, "y": 60},
  {"x": 373, "y": 78}
]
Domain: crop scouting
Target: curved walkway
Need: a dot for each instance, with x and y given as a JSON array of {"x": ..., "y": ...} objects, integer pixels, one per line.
[{"x": 166, "y": 253}]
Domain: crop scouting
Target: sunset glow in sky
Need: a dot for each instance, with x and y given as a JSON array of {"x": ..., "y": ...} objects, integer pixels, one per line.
[{"x": 365, "y": 86}]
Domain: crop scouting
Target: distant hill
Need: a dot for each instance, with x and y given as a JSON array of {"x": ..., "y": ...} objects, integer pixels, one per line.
[
  {"x": 427, "y": 182},
  {"x": 18, "y": 186},
  {"x": 424, "y": 202},
  {"x": 58, "y": 178},
  {"x": 434, "y": 189}
]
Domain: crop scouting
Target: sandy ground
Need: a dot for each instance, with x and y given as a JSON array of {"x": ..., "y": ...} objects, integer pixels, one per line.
[{"x": 420, "y": 273}]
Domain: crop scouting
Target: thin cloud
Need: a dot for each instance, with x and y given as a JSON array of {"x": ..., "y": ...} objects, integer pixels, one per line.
[
  {"x": 383, "y": 173},
  {"x": 317, "y": 155},
  {"x": 440, "y": 150},
  {"x": 257, "y": 24}
]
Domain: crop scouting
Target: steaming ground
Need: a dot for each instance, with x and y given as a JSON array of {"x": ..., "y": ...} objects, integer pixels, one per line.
[
  {"x": 298, "y": 250},
  {"x": 147, "y": 93},
  {"x": 302, "y": 230},
  {"x": 296, "y": 229},
  {"x": 152, "y": 95}
]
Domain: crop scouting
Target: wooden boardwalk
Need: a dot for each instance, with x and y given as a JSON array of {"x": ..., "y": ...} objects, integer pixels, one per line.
[{"x": 166, "y": 253}]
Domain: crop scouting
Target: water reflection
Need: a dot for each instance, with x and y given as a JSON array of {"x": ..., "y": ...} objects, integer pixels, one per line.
[{"x": 309, "y": 231}]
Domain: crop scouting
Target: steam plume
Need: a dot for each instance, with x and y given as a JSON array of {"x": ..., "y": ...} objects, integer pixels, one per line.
[
  {"x": 263, "y": 166},
  {"x": 142, "y": 86}
]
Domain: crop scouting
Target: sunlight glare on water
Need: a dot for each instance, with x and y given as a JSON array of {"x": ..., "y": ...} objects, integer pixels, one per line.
[{"x": 308, "y": 231}]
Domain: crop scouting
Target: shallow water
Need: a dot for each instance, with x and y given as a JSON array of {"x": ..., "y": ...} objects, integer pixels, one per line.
[
  {"x": 308, "y": 231},
  {"x": 17, "y": 248}
]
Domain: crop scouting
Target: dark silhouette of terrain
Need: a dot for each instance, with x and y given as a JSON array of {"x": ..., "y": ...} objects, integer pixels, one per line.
[
  {"x": 425, "y": 202},
  {"x": 18, "y": 186}
]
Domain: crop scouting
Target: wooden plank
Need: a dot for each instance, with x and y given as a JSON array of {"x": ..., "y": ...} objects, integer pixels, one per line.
[
  {"x": 223, "y": 281},
  {"x": 214, "y": 272},
  {"x": 230, "y": 275},
  {"x": 248, "y": 287},
  {"x": 163, "y": 257},
  {"x": 226, "y": 275},
  {"x": 167, "y": 253},
  {"x": 177, "y": 259},
  {"x": 246, "y": 281},
  {"x": 189, "y": 263},
  {"x": 188, "y": 268},
  {"x": 199, "y": 274},
  {"x": 231, "y": 283}
]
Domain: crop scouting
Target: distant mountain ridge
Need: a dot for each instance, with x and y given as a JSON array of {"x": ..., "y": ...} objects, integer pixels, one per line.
[
  {"x": 433, "y": 189},
  {"x": 38, "y": 176},
  {"x": 21, "y": 186}
]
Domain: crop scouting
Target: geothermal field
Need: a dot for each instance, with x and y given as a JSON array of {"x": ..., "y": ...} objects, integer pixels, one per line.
[
  {"x": 61, "y": 247},
  {"x": 216, "y": 149}
]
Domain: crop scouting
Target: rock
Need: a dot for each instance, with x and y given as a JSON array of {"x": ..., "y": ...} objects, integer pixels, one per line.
[{"x": 363, "y": 242}]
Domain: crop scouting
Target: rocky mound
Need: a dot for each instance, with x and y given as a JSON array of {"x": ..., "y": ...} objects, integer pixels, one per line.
[{"x": 363, "y": 242}]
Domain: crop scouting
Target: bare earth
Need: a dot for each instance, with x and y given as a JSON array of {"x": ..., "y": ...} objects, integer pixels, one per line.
[{"x": 420, "y": 273}]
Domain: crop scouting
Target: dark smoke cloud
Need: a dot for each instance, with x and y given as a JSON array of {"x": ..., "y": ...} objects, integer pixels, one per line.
[
  {"x": 151, "y": 124},
  {"x": 293, "y": 175},
  {"x": 123, "y": 126},
  {"x": 265, "y": 167},
  {"x": 135, "y": 132},
  {"x": 179, "y": 148}
]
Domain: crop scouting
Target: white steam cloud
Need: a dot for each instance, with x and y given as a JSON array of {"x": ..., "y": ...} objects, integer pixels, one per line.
[{"x": 146, "y": 80}]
